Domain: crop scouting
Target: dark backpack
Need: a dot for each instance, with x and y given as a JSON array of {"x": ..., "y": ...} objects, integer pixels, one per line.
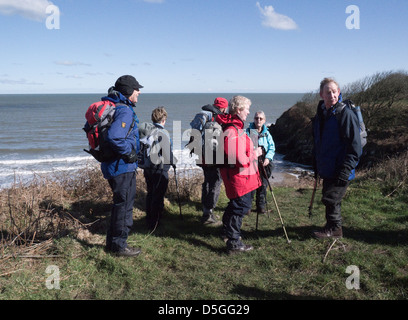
[
  {"x": 357, "y": 111},
  {"x": 210, "y": 130}
]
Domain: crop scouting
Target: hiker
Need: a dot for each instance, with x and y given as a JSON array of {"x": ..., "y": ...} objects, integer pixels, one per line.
[
  {"x": 239, "y": 173},
  {"x": 156, "y": 174},
  {"x": 123, "y": 138},
  {"x": 258, "y": 130},
  {"x": 212, "y": 176},
  {"x": 337, "y": 148}
]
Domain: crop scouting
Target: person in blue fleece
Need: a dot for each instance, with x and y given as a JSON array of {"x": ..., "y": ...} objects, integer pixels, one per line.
[
  {"x": 257, "y": 130},
  {"x": 123, "y": 139}
]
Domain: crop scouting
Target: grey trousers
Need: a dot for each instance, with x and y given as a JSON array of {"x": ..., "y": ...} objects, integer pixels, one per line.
[
  {"x": 333, "y": 193},
  {"x": 211, "y": 187}
]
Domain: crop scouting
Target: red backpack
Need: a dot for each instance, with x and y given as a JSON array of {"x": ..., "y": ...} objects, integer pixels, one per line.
[{"x": 99, "y": 117}]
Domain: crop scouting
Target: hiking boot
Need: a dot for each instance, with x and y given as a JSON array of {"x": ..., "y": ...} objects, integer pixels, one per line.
[
  {"x": 240, "y": 248},
  {"x": 128, "y": 252},
  {"x": 210, "y": 219},
  {"x": 329, "y": 232}
]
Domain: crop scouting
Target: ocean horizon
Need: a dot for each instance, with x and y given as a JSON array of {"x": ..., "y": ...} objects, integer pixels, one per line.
[{"x": 42, "y": 134}]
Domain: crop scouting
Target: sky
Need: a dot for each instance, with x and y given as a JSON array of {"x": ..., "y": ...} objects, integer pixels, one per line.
[{"x": 198, "y": 46}]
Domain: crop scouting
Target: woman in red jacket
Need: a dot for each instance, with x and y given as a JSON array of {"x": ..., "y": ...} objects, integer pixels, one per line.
[{"x": 240, "y": 175}]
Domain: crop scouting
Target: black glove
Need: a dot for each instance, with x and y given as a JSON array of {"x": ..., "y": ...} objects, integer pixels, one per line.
[
  {"x": 342, "y": 179},
  {"x": 130, "y": 157}
]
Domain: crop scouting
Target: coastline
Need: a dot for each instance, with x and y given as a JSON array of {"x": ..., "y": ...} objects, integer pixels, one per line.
[{"x": 285, "y": 173}]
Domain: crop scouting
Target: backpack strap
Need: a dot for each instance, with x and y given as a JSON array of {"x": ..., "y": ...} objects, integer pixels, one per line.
[{"x": 225, "y": 126}]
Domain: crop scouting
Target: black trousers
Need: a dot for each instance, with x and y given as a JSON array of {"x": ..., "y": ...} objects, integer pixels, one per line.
[
  {"x": 333, "y": 194},
  {"x": 260, "y": 193},
  {"x": 157, "y": 182},
  {"x": 124, "y": 191},
  {"x": 232, "y": 219}
]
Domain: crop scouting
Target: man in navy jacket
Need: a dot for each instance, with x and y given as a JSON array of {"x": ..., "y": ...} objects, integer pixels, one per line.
[
  {"x": 123, "y": 139},
  {"x": 337, "y": 148}
]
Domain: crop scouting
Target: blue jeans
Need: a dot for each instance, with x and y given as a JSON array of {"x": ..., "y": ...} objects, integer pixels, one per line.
[
  {"x": 124, "y": 192},
  {"x": 232, "y": 219}
]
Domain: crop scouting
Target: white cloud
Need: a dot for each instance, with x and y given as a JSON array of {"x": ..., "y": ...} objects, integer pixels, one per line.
[
  {"x": 31, "y": 9},
  {"x": 272, "y": 19},
  {"x": 68, "y": 63},
  {"x": 21, "y": 81}
]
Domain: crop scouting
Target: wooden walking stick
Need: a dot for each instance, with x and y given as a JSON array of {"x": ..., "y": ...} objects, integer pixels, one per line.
[{"x": 276, "y": 205}]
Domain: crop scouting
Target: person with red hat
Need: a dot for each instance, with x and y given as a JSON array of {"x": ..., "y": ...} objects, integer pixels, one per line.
[{"x": 212, "y": 178}]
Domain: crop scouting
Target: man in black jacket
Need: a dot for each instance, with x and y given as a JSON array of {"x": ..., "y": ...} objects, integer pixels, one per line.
[{"x": 337, "y": 148}]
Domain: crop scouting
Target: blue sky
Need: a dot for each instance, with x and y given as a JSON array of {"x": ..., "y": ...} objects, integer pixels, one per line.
[{"x": 236, "y": 46}]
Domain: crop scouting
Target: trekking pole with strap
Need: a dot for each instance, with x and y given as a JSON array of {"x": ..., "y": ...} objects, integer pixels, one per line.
[
  {"x": 266, "y": 202},
  {"x": 178, "y": 192},
  {"x": 276, "y": 205},
  {"x": 313, "y": 195}
]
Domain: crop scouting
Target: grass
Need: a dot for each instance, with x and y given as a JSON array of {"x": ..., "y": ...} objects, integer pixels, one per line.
[{"x": 184, "y": 260}]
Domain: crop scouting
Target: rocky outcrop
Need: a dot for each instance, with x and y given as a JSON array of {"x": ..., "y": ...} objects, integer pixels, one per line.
[{"x": 292, "y": 134}]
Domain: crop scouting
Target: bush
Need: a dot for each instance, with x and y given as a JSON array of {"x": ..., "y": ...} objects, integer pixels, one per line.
[{"x": 392, "y": 175}]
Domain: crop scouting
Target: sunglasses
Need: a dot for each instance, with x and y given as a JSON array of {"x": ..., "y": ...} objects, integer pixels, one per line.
[{"x": 258, "y": 118}]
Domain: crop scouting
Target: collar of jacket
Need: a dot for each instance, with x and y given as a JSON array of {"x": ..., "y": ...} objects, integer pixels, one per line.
[
  {"x": 116, "y": 97},
  {"x": 263, "y": 132},
  {"x": 209, "y": 107},
  {"x": 158, "y": 125},
  {"x": 226, "y": 118},
  {"x": 332, "y": 109}
]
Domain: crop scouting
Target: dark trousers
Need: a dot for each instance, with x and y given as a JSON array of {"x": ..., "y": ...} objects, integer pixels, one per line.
[
  {"x": 124, "y": 191},
  {"x": 156, "y": 182},
  {"x": 232, "y": 219},
  {"x": 260, "y": 193},
  {"x": 332, "y": 197},
  {"x": 211, "y": 187}
]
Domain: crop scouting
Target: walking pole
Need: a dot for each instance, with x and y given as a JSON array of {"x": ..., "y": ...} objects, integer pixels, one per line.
[
  {"x": 276, "y": 205},
  {"x": 313, "y": 195},
  {"x": 178, "y": 193}
]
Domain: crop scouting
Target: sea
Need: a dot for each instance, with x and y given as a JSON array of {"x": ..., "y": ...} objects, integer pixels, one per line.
[{"x": 41, "y": 134}]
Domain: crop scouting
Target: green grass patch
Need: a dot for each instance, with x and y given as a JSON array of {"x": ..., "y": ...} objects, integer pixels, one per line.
[{"x": 184, "y": 260}]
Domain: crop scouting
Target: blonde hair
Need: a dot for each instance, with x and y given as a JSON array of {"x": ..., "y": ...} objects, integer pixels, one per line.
[
  {"x": 326, "y": 81},
  {"x": 159, "y": 114},
  {"x": 238, "y": 103}
]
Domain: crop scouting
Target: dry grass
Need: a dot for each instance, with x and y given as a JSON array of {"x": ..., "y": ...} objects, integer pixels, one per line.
[
  {"x": 392, "y": 174},
  {"x": 33, "y": 215}
]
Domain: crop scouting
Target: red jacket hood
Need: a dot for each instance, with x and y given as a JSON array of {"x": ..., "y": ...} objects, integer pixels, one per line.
[{"x": 223, "y": 119}]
